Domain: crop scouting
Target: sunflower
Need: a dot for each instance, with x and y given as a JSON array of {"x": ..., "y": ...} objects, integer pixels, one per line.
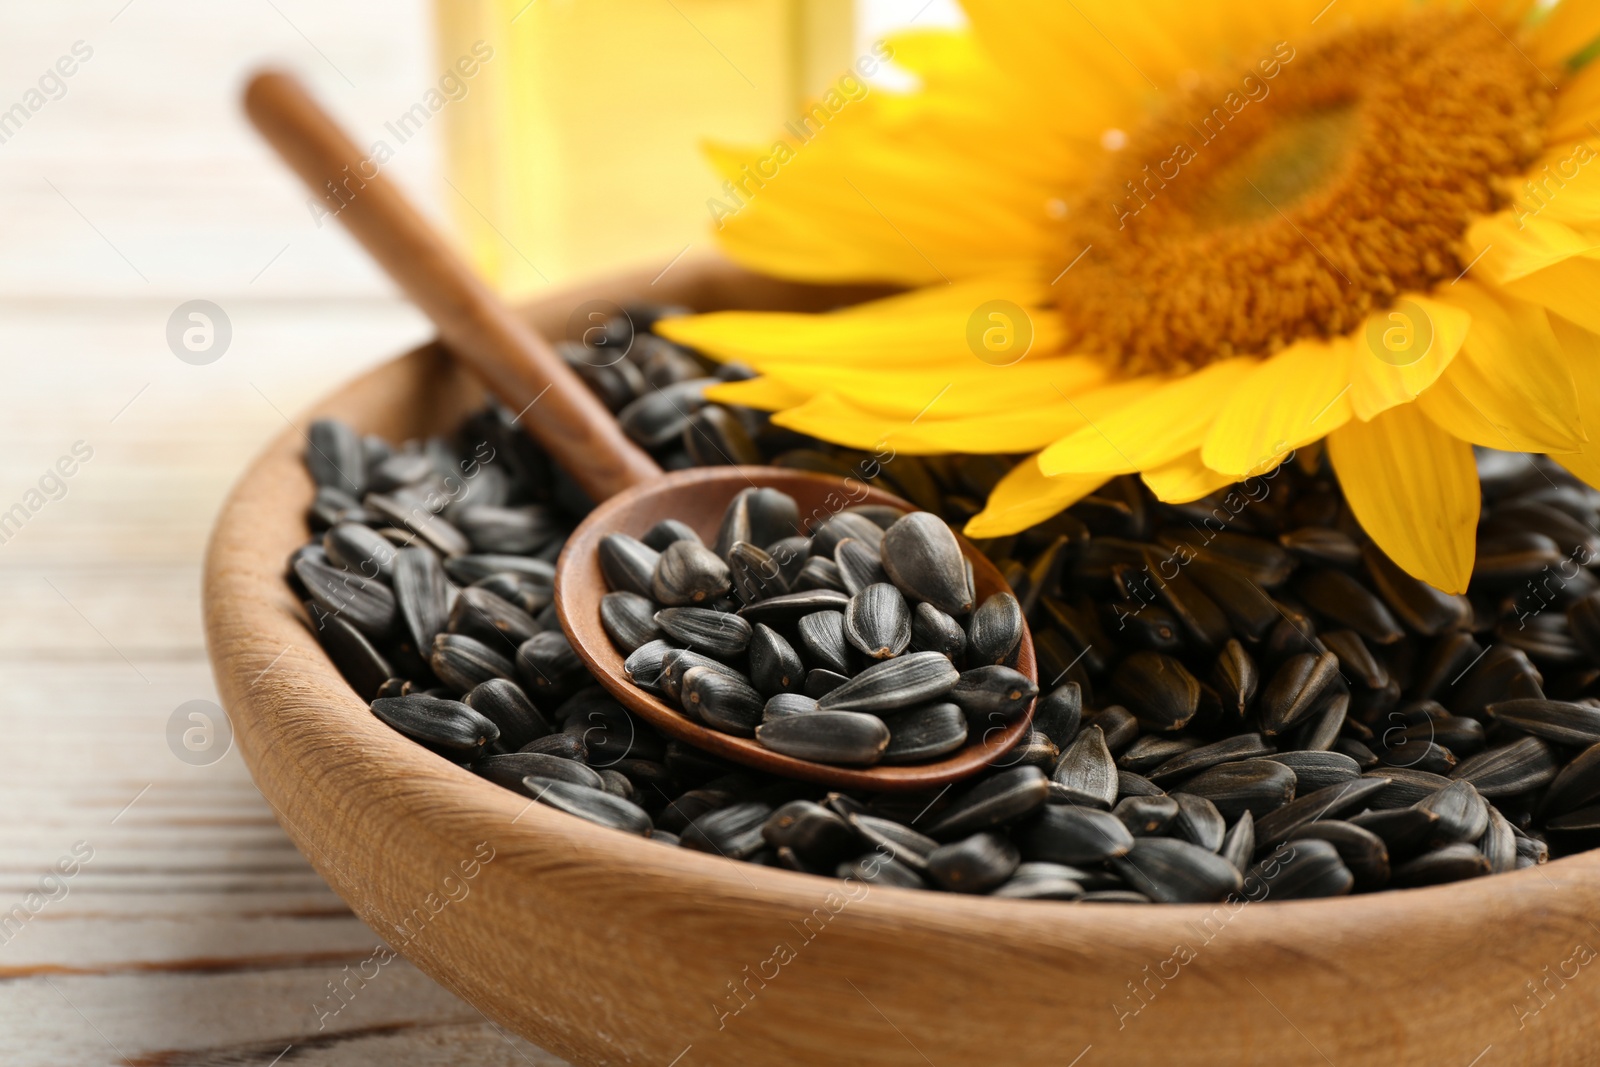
[{"x": 1182, "y": 240}]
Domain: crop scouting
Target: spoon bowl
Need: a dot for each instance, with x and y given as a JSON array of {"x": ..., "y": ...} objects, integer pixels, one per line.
[{"x": 698, "y": 497}]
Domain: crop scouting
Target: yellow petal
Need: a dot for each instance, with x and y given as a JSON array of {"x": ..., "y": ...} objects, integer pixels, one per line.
[
  {"x": 1568, "y": 289},
  {"x": 1170, "y": 422},
  {"x": 1297, "y": 396},
  {"x": 1571, "y": 27},
  {"x": 1025, "y": 497},
  {"x": 1184, "y": 479},
  {"x": 1511, "y": 387},
  {"x": 1008, "y": 431},
  {"x": 876, "y": 185},
  {"x": 1414, "y": 489},
  {"x": 1583, "y": 358},
  {"x": 1576, "y": 105},
  {"x": 763, "y": 394},
  {"x": 1506, "y": 248},
  {"x": 915, "y": 329},
  {"x": 1387, "y": 369}
]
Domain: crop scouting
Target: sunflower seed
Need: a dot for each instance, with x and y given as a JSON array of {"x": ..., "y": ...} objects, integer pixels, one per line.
[
  {"x": 877, "y": 621},
  {"x": 359, "y": 548},
  {"x": 823, "y": 641},
  {"x": 995, "y": 630},
  {"x": 547, "y": 663},
  {"x": 1578, "y": 784},
  {"x": 1249, "y": 611},
  {"x": 1361, "y": 851},
  {"x": 1065, "y": 833},
  {"x": 827, "y": 736},
  {"x": 1329, "y": 802},
  {"x": 627, "y": 564},
  {"x": 1553, "y": 720},
  {"x": 902, "y": 682},
  {"x": 1258, "y": 786},
  {"x": 1177, "y": 872},
  {"x": 816, "y": 834},
  {"x": 1151, "y": 751},
  {"x": 1453, "y": 863},
  {"x": 1422, "y": 607},
  {"x": 1199, "y": 823},
  {"x": 1356, "y": 659},
  {"x": 511, "y": 770},
  {"x": 974, "y": 865},
  {"x": 1058, "y": 713},
  {"x": 820, "y": 682},
  {"x": 826, "y": 537},
  {"x": 1291, "y": 696},
  {"x": 1235, "y": 678},
  {"x": 721, "y": 702},
  {"x": 1146, "y": 816},
  {"x": 1158, "y": 689},
  {"x": 629, "y": 620},
  {"x": 334, "y": 456},
  {"x": 924, "y": 561},
  {"x": 1323, "y": 726},
  {"x": 917, "y": 734},
  {"x": 858, "y": 565},
  {"x": 1519, "y": 767},
  {"x": 818, "y": 573},
  {"x": 661, "y": 414},
  {"x": 713, "y": 633},
  {"x": 896, "y": 840},
  {"x": 446, "y": 724},
  {"x": 513, "y": 530},
  {"x": 993, "y": 695},
  {"x": 1418, "y": 755},
  {"x": 362, "y": 665},
  {"x": 1499, "y": 843},
  {"x": 755, "y": 574},
  {"x": 1130, "y": 784},
  {"x": 643, "y": 665},
  {"x": 1305, "y": 870},
  {"x": 1085, "y": 774},
  {"x": 875, "y": 869},
  {"x": 563, "y": 745},
  {"x": 1240, "y": 843},
  {"x": 667, "y": 531},
  {"x": 1406, "y": 831},
  {"x": 462, "y": 662},
  {"x": 1001, "y": 798},
  {"x": 1339, "y": 597},
  {"x": 503, "y": 703},
  {"x": 1318, "y": 544},
  {"x": 1229, "y": 750},
  {"x": 1315, "y": 770},
  {"x": 688, "y": 574},
  {"x": 466, "y": 570},
  {"x": 734, "y": 831},
  {"x": 1041, "y": 881},
  {"x": 367, "y": 605},
  {"x": 1463, "y": 814},
  {"x": 780, "y": 705},
  {"x": 791, "y": 607}
]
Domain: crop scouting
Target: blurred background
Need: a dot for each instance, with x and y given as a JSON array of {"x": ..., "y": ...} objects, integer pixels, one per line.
[{"x": 151, "y": 910}]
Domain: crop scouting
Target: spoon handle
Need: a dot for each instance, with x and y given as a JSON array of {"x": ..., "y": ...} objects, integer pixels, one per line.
[{"x": 474, "y": 324}]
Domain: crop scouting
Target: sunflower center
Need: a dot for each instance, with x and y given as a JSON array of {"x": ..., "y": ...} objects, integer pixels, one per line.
[{"x": 1295, "y": 198}]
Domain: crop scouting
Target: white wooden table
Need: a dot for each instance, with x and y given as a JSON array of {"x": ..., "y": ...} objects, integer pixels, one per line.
[{"x": 195, "y": 934}]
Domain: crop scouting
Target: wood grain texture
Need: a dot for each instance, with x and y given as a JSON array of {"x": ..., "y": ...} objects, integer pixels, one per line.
[
  {"x": 699, "y": 497},
  {"x": 610, "y": 949}
]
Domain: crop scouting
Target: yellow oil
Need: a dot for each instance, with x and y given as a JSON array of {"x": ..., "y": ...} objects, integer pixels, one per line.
[{"x": 576, "y": 148}]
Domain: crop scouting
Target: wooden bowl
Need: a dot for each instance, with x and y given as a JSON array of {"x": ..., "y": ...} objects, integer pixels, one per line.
[{"x": 608, "y": 949}]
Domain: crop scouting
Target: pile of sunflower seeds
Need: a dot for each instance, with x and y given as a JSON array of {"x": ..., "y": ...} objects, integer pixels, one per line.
[
  {"x": 1243, "y": 695},
  {"x": 810, "y": 644}
]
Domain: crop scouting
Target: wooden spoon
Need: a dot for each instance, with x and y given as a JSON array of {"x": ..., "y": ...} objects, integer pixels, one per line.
[{"x": 580, "y": 434}]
